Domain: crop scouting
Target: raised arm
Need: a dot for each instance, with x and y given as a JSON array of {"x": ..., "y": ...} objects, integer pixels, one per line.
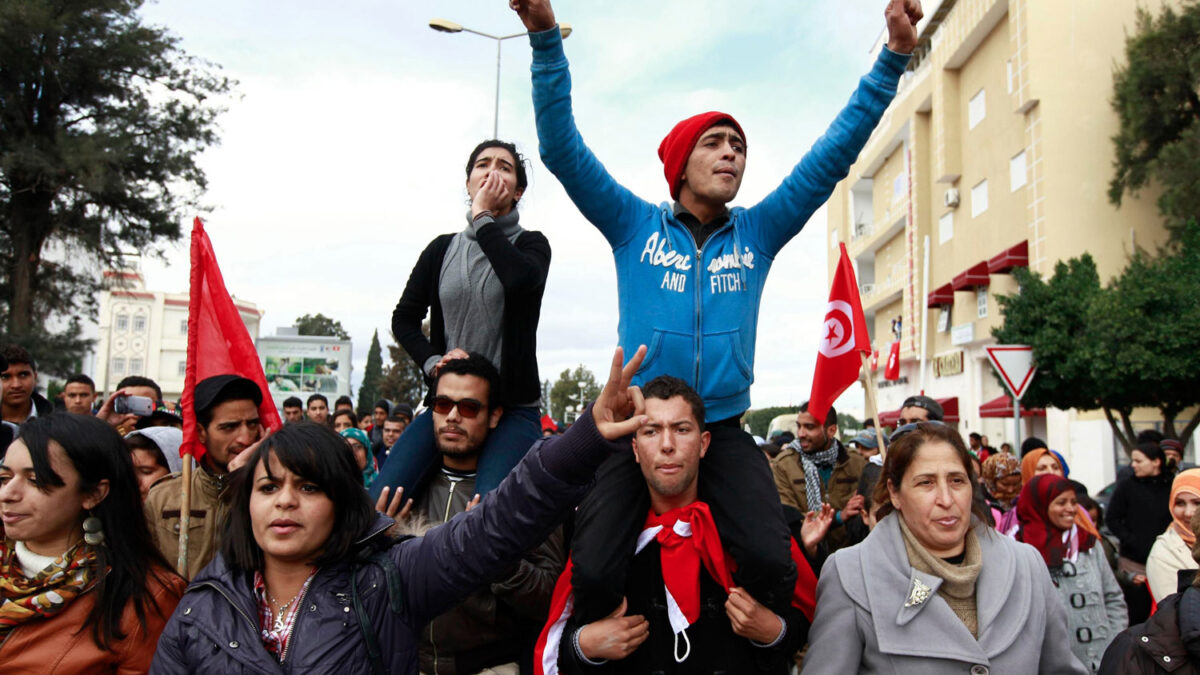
[
  {"x": 783, "y": 213},
  {"x": 609, "y": 206}
]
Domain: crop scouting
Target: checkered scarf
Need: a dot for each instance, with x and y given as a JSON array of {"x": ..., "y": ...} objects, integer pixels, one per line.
[{"x": 812, "y": 461}]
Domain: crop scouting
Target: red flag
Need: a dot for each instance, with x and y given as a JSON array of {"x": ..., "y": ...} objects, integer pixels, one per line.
[
  {"x": 218, "y": 342},
  {"x": 892, "y": 371},
  {"x": 874, "y": 360},
  {"x": 843, "y": 340}
]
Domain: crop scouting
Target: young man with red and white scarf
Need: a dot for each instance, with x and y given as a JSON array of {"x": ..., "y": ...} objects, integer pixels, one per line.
[
  {"x": 682, "y": 612},
  {"x": 690, "y": 277}
]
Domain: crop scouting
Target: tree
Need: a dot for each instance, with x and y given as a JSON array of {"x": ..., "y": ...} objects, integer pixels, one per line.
[
  {"x": 319, "y": 324},
  {"x": 102, "y": 119},
  {"x": 565, "y": 391},
  {"x": 403, "y": 381},
  {"x": 1134, "y": 343},
  {"x": 1157, "y": 99},
  {"x": 368, "y": 392},
  {"x": 760, "y": 420}
]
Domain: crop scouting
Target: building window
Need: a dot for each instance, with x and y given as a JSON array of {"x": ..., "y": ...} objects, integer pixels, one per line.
[
  {"x": 1016, "y": 170},
  {"x": 981, "y": 301},
  {"x": 976, "y": 109},
  {"x": 135, "y": 366},
  {"x": 183, "y": 326},
  {"x": 182, "y": 368},
  {"x": 945, "y": 228},
  {"x": 139, "y": 324},
  {"x": 122, "y": 323},
  {"x": 1011, "y": 75},
  {"x": 118, "y": 365},
  {"x": 943, "y": 325},
  {"x": 979, "y": 198},
  {"x": 898, "y": 188}
]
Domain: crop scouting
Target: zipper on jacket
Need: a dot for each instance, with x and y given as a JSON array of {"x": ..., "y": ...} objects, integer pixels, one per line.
[
  {"x": 432, "y": 622},
  {"x": 296, "y": 621}
]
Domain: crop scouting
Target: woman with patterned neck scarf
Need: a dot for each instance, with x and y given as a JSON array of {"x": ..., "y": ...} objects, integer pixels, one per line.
[
  {"x": 482, "y": 288},
  {"x": 1094, "y": 602},
  {"x": 83, "y": 589},
  {"x": 933, "y": 589}
]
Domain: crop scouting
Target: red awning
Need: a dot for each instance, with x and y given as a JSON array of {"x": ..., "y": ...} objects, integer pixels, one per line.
[
  {"x": 1017, "y": 256},
  {"x": 942, "y": 295},
  {"x": 975, "y": 275},
  {"x": 1001, "y": 406},
  {"x": 949, "y": 412}
]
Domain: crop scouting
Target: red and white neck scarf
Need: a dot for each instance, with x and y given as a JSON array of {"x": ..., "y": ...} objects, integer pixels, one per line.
[{"x": 687, "y": 538}]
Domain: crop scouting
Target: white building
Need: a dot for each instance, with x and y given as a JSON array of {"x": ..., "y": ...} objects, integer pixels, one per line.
[{"x": 143, "y": 332}]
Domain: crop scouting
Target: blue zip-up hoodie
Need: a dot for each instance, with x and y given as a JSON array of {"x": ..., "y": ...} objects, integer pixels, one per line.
[{"x": 696, "y": 310}]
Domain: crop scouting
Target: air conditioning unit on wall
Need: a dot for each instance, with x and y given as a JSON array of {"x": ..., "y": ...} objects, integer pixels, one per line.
[{"x": 951, "y": 197}]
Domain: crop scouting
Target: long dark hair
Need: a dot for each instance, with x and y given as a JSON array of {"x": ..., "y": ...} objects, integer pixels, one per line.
[
  {"x": 903, "y": 451},
  {"x": 98, "y": 453},
  {"x": 316, "y": 453}
]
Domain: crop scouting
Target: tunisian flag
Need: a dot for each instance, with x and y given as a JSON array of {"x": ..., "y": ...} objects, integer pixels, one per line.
[
  {"x": 218, "y": 343},
  {"x": 892, "y": 370},
  {"x": 843, "y": 340}
]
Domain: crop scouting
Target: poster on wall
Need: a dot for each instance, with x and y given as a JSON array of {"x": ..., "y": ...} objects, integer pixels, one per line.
[{"x": 298, "y": 366}]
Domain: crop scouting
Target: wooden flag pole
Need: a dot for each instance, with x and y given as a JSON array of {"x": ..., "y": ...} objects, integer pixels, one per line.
[
  {"x": 185, "y": 516},
  {"x": 872, "y": 407}
]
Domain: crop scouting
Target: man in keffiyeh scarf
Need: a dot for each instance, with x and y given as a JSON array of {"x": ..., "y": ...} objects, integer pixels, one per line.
[{"x": 682, "y": 606}]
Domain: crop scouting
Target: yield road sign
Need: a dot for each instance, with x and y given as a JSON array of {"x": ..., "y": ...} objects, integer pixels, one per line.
[{"x": 1015, "y": 365}]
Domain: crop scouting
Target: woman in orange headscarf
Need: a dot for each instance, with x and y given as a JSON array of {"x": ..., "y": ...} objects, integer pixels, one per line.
[{"x": 1172, "y": 550}]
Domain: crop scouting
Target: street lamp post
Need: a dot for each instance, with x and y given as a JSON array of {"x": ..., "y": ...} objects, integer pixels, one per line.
[{"x": 444, "y": 26}]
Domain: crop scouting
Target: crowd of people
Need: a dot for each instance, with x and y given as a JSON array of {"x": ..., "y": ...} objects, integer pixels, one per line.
[{"x": 654, "y": 535}]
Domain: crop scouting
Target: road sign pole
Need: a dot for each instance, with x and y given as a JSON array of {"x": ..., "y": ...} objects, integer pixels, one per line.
[{"x": 1017, "y": 426}]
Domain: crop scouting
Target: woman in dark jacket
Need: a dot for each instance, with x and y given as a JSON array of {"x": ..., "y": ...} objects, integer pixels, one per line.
[
  {"x": 309, "y": 580},
  {"x": 1140, "y": 509},
  {"x": 483, "y": 290}
]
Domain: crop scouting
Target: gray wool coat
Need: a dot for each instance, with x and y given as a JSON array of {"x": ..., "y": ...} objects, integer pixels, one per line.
[
  {"x": 863, "y": 626},
  {"x": 1095, "y": 605}
]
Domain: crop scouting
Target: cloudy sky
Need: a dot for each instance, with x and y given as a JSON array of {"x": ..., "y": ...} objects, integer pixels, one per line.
[{"x": 343, "y": 153}]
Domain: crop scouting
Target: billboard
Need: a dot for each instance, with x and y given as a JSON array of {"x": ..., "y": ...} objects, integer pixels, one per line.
[{"x": 302, "y": 365}]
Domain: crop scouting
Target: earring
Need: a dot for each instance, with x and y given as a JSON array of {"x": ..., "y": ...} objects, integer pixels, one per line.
[{"x": 93, "y": 533}]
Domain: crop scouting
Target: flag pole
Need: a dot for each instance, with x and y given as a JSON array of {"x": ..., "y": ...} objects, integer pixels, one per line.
[
  {"x": 185, "y": 516},
  {"x": 872, "y": 411}
]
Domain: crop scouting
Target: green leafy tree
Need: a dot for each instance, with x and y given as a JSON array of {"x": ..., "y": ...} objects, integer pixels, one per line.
[
  {"x": 1134, "y": 343},
  {"x": 319, "y": 324},
  {"x": 102, "y": 118},
  {"x": 565, "y": 391},
  {"x": 368, "y": 392},
  {"x": 403, "y": 381},
  {"x": 760, "y": 419},
  {"x": 1157, "y": 98}
]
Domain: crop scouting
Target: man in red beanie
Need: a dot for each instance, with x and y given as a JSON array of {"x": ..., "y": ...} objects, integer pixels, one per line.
[{"x": 701, "y": 265}]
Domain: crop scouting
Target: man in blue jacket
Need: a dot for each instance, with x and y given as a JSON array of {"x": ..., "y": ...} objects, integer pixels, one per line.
[{"x": 701, "y": 265}]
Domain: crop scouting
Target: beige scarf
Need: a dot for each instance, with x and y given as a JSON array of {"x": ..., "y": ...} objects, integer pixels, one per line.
[{"x": 958, "y": 581}]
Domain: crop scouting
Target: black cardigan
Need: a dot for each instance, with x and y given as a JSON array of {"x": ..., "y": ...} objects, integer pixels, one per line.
[{"x": 521, "y": 269}]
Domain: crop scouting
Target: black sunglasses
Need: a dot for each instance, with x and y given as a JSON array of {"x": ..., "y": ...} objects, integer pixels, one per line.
[
  {"x": 912, "y": 426},
  {"x": 467, "y": 407}
]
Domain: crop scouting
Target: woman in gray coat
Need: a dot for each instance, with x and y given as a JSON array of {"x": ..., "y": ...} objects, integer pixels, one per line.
[
  {"x": 933, "y": 589},
  {"x": 1094, "y": 601}
]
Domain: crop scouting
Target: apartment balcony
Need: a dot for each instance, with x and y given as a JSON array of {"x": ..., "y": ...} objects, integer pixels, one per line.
[{"x": 885, "y": 290}]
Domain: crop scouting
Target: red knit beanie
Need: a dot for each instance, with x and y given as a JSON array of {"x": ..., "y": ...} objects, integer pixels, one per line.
[{"x": 677, "y": 146}]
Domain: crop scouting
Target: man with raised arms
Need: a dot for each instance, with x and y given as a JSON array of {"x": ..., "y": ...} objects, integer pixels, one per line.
[{"x": 701, "y": 265}]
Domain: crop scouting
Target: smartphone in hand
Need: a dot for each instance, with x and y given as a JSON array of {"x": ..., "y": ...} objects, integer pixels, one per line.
[{"x": 133, "y": 405}]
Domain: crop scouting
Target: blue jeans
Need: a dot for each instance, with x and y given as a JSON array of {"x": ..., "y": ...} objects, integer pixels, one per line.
[{"x": 415, "y": 453}]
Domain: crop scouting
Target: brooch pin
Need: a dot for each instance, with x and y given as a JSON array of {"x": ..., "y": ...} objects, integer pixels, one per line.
[{"x": 918, "y": 594}]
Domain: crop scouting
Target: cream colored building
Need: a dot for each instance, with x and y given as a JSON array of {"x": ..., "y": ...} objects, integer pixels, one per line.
[
  {"x": 144, "y": 332},
  {"x": 997, "y": 152}
]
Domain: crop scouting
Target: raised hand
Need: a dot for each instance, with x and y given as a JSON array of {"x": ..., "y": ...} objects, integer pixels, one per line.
[
  {"x": 902, "y": 17},
  {"x": 537, "y": 15},
  {"x": 815, "y": 527},
  {"x": 618, "y": 410},
  {"x": 853, "y": 507},
  {"x": 239, "y": 460},
  {"x": 122, "y": 422},
  {"x": 392, "y": 509},
  {"x": 493, "y": 195},
  {"x": 615, "y": 636},
  {"x": 750, "y": 619}
]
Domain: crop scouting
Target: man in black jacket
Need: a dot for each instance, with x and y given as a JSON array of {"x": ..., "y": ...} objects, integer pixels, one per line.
[
  {"x": 21, "y": 400},
  {"x": 681, "y": 613}
]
